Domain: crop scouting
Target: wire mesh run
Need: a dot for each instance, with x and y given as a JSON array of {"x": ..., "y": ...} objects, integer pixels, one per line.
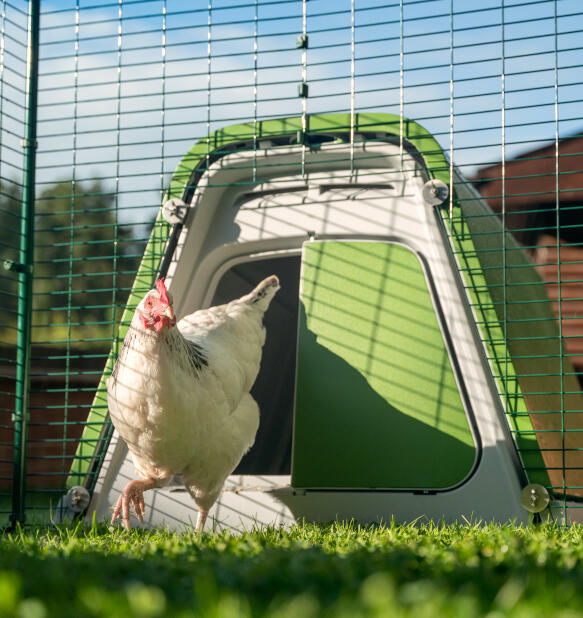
[{"x": 126, "y": 88}]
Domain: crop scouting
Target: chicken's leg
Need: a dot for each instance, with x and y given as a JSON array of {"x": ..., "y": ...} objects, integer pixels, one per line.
[
  {"x": 133, "y": 493},
  {"x": 204, "y": 500},
  {"x": 200, "y": 520}
]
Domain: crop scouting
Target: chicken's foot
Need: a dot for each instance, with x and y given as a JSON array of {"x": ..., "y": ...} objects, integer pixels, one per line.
[{"x": 133, "y": 493}]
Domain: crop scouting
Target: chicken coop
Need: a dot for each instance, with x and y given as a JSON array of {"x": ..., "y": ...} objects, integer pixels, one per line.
[{"x": 410, "y": 170}]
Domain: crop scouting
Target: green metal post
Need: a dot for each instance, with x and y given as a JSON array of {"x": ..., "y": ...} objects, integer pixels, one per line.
[{"x": 25, "y": 269}]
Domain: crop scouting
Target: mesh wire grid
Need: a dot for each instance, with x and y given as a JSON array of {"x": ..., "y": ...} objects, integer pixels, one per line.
[{"x": 126, "y": 88}]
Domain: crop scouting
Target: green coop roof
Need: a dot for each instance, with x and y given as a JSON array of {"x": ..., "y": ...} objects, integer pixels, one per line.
[{"x": 380, "y": 125}]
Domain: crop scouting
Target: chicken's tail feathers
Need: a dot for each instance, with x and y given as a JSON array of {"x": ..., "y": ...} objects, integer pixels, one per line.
[{"x": 261, "y": 296}]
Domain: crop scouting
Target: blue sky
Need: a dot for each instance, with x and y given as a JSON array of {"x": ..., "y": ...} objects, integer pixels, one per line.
[{"x": 125, "y": 108}]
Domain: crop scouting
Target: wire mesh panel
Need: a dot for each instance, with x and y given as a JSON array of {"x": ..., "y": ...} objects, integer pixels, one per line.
[
  {"x": 13, "y": 243},
  {"x": 126, "y": 88}
]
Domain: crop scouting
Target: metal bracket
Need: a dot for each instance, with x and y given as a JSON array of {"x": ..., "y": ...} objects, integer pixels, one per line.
[
  {"x": 303, "y": 90},
  {"x": 302, "y": 41},
  {"x": 14, "y": 417},
  {"x": 25, "y": 143},
  {"x": 535, "y": 498},
  {"x": 74, "y": 502},
  {"x": 435, "y": 192},
  {"x": 16, "y": 267},
  {"x": 174, "y": 211}
]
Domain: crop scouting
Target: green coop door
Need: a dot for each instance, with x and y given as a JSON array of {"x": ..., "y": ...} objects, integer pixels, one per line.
[{"x": 377, "y": 404}]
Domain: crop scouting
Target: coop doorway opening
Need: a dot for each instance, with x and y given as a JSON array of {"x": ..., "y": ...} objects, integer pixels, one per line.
[{"x": 274, "y": 388}]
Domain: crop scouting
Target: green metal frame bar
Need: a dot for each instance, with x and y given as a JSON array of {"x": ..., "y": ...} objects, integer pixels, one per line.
[
  {"x": 25, "y": 271},
  {"x": 474, "y": 271}
]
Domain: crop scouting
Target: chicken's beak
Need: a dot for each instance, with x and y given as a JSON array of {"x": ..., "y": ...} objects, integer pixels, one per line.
[{"x": 169, "y": 313}]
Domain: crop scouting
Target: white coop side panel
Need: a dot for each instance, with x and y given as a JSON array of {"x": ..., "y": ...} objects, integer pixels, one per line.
[{"x": 233, "y": 220}]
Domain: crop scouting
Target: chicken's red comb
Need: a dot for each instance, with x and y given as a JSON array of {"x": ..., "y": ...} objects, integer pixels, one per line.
[{"x": 163, "y": 291}]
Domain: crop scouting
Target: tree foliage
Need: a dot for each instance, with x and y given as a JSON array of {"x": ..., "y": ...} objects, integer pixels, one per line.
[{"x": 85, "y": 259}]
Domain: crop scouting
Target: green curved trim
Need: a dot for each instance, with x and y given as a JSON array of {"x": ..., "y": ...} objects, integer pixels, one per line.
[
  {"x": 435, "y": 159},
  {"x": 473, "y": 258},
  {"x": 97, "y": 431}
]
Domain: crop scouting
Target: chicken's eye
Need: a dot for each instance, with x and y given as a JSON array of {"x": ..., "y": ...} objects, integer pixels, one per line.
[{"x": 149, "y": 303}]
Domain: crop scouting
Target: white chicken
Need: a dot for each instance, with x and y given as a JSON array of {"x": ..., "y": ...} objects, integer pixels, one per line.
[{"x": 179, "y": 394}]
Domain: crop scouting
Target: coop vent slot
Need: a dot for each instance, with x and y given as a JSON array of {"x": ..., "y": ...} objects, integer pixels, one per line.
[{"x": 305, "y": 193}]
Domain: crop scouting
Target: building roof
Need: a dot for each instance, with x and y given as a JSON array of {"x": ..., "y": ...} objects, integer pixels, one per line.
[{"x": 532, "y": 177}]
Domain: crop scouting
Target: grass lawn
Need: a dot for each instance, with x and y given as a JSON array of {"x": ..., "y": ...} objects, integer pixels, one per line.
[{"x": 337, "y": 570}]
